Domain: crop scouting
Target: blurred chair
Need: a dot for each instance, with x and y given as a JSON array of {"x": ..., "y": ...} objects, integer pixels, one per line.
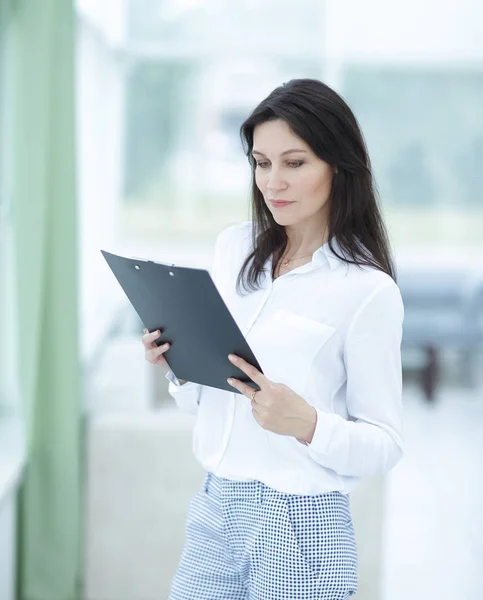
[{"x": 443, "y": 309}]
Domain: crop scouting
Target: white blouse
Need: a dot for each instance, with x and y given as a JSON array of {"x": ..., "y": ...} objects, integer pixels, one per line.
[{"x": 332, "y": 332}]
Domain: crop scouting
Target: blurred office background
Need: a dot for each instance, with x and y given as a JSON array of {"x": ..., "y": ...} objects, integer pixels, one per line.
[{"x": 119, "y": 130}]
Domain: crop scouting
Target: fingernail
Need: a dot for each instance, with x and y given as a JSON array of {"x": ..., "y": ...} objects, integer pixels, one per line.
[
  {"x": 230, "y": 381},
  {"x": 232, "y": 357}
]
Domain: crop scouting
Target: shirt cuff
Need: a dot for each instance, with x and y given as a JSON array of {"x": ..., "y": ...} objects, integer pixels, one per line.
[
  {"x": 186, "y": 395},
  {"x": 170, "y": 376},
  {"x": 324, "y": 428}
]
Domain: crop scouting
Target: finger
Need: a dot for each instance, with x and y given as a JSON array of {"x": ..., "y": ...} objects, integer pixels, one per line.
[
  {"x": 148, "y": 338},
  {"x": 252, "y": 372},
  {"x": 242, "y": 387},
  {"x": 156, "y": 353},
  {"x": 153, "y": 354}
]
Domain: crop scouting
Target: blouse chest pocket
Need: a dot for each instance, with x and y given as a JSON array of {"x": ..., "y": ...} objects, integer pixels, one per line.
[{"x": 286, "y": 344}]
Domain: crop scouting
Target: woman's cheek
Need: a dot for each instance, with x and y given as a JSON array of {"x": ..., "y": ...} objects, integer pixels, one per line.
[{"x": 261, "y": 183}]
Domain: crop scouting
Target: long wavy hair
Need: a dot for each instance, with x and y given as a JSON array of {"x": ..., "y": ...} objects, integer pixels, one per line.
[{"x": 320, "y": 117}]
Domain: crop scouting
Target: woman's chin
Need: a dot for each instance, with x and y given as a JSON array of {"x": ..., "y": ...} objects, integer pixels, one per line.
[{"x": 281, "y": 219}]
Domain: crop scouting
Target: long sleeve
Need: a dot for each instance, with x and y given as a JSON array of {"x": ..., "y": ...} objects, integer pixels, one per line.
[
  {"x": 371, "y": 441},
  {"x": 187, "y": 396}
]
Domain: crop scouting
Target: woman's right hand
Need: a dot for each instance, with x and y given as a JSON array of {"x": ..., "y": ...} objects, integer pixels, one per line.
[{"x": 154, "y": 353}]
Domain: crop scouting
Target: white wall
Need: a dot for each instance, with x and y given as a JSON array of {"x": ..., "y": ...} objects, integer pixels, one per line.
[
  {"x": 100, "y": 106},
  {"x": 8, "y": 316},
  {"x": 12, "y": 462},
  {"x": 108, "y": 17},
  {"x": 413, "y": 31},
  {"x": 7, "y": 547}
]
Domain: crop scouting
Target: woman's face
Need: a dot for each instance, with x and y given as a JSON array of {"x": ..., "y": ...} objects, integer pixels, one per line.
[{"x": 287, "y": 169}]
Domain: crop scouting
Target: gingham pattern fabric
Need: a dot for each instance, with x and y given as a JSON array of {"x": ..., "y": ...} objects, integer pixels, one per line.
[{"x": 246, "y": 541}]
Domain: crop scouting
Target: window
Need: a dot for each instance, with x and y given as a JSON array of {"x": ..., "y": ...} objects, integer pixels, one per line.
[
  {"x": 425, "y": 136},
  {"x": 192, "y": 79}
]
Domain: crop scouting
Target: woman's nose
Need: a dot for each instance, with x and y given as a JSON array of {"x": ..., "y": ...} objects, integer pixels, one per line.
[{"x": 275, "y": 182}]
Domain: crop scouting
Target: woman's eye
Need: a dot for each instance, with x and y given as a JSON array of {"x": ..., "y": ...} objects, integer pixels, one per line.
[{"x": 263, "y": 164}]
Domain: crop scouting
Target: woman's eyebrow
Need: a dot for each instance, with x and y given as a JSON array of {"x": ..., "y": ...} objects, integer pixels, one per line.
[{"x": 283, "y": 153}]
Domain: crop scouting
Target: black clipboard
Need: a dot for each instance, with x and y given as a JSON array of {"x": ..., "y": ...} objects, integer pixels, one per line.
[{"x": 185, "y": 305}]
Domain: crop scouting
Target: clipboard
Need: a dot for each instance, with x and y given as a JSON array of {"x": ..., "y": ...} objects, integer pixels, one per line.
[{"x": 185, "y": 305}]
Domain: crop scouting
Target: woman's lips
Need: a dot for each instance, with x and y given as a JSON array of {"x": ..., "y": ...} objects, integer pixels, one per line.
[{"x": 280, "y": 203}]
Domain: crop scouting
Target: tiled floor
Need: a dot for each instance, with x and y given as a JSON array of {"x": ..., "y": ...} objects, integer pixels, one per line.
[{"x": 434, "y": 529}]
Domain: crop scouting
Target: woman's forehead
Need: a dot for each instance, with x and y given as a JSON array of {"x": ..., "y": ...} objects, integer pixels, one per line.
[{"x": 276, "y": 137}]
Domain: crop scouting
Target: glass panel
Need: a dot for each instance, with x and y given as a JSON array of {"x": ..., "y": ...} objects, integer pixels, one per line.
[
  {"x": 424, "y": 130},
  {"x": 191, "y": 81}
]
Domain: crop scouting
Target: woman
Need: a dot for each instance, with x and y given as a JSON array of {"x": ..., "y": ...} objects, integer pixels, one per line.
[{"x": 311, "y": 284}]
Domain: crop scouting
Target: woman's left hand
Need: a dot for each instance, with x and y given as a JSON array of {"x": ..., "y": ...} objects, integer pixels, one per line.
[{"x": 276, "y": 407}]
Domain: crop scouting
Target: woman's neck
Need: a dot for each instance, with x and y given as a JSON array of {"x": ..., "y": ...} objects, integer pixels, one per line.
[
  {"x": 303, "y": 247},
  {"x": 304, "y": 242}
]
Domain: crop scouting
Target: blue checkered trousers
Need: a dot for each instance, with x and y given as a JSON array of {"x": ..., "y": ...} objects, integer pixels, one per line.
[{"x": 247, "y": 541}]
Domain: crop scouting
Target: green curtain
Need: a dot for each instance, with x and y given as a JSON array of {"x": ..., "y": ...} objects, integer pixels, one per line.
[{"x": 45, "y": 229}]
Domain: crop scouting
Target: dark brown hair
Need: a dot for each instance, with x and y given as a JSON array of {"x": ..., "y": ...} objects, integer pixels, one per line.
[{"x": 320, "y": 117}]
